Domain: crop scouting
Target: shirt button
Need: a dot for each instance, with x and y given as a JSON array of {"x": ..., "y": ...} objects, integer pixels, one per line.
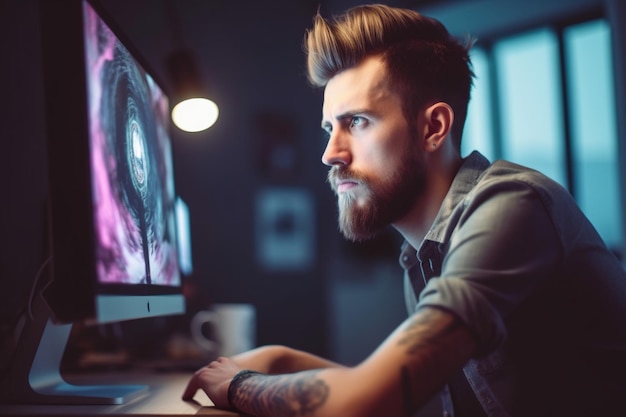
[{"x": 405, "y": 258}]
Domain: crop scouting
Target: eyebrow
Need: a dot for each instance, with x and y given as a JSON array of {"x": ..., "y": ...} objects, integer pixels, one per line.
[{"x": 346, "y": 115}]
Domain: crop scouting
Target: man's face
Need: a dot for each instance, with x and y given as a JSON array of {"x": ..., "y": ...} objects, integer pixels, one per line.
[{"x": 376, "y": 162}]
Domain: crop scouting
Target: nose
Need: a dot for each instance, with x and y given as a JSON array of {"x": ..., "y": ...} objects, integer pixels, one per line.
[{"x": 337, "y": 151}]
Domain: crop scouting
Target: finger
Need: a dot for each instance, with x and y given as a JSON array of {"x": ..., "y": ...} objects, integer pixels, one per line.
[{"x": 192, "y": 387}]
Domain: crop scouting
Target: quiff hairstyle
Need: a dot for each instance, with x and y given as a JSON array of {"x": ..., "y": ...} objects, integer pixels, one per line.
[{"x": 425, "y": 63}]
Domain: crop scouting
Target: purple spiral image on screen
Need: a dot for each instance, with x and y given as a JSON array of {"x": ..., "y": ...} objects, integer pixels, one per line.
[{"x": 132, "y": 178}]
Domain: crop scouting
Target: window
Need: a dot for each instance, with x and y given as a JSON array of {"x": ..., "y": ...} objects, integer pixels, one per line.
[
  {"x": 593, "y": 126},
  {"x": 530, "y": 111},
  {"x": 544, "y": 99},
  {"x": 478, "y": 132}
]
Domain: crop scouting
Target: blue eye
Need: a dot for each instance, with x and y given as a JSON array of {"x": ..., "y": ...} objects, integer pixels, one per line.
[{"x": 357, "y": 121}]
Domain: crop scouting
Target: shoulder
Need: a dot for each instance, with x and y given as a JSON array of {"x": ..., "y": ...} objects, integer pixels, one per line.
[
  {"x": 502, "y": 172},
  {"x": 517, "y": 181}
]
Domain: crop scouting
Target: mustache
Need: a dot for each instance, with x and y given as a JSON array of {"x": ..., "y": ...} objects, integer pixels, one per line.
[{"x": 342, "y": 173}]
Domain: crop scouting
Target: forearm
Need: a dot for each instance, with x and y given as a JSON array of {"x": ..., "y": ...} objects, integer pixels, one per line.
[
  {"x": 274, "y": 359},
  {"x": 215, "y": 378},
  {"x": 395, "y": 380},
  {"x": 327, "y": 392},
  {"x": 261, "y": 395}
]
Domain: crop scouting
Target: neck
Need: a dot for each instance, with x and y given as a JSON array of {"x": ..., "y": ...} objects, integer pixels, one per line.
[{"x": 417, "y": 222}]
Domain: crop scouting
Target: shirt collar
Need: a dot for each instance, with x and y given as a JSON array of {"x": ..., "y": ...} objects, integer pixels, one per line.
[{"x": 465, "y": 180}]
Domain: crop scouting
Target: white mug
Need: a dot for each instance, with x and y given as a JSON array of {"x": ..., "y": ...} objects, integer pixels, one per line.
[{"x": 233, "y": 328}]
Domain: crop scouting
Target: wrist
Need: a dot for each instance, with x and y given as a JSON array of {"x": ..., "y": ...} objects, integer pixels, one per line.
[{"x": 235, "y": 383}]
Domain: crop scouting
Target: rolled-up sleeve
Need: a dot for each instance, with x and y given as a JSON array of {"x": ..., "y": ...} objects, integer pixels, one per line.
[{"x": 501, "y": 248}]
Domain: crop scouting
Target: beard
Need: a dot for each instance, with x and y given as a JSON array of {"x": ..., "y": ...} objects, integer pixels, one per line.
[{"x": 376, "y": 205}]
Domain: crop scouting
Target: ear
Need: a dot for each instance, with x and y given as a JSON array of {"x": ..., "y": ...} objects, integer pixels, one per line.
[{"x": 438, "y": 119}]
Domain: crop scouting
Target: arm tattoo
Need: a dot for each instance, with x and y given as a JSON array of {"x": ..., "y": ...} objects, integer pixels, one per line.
[
  {"x": 428, "y": 336},
  {"x": 290, "y": 395}
]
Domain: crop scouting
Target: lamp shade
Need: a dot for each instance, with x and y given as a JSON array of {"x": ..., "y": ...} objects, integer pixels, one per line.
[{"x": 192, "y": 111}]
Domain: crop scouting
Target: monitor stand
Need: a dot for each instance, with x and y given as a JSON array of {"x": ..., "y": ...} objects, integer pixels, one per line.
[{"x": 35, "y": 376}]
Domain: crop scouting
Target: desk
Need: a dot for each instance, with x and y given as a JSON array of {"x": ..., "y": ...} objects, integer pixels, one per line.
[{"x": 163, "y": 398}]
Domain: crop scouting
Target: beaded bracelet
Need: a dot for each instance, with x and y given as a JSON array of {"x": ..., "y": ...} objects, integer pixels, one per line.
[{"x": 240, "y": 376}]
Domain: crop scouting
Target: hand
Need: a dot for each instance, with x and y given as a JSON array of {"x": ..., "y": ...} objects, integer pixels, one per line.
[{"x": 214, "y": 379}]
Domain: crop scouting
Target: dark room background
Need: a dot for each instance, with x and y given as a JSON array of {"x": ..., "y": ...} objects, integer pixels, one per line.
[{"x": 343, "y": 298}]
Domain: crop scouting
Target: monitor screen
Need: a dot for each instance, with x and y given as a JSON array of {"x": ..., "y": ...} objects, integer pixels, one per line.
[
  {"x": 131, "y": 164},
  {"x": 127, "y": 243},
  {"x": 131, "y": 171},
  {"x": 112, "y": 202}
]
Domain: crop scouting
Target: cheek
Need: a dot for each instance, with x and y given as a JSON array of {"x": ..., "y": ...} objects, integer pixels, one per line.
[
  {"x": 382, "y": 153},
  {"x": 385, "y": 162}
]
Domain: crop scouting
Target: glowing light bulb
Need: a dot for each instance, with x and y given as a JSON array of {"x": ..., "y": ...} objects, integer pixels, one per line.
[{"x": 195, "y": 114}]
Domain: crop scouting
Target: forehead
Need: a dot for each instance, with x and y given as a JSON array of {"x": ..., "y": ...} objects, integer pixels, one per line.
[{"x": 365, "y": 86}]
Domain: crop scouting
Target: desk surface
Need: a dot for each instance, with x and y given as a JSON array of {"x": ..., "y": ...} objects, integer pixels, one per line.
[{"x": 163, "y": 398}]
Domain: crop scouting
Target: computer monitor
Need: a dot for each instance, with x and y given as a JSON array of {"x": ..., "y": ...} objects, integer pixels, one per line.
[{"x": 112, "y": 202}]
